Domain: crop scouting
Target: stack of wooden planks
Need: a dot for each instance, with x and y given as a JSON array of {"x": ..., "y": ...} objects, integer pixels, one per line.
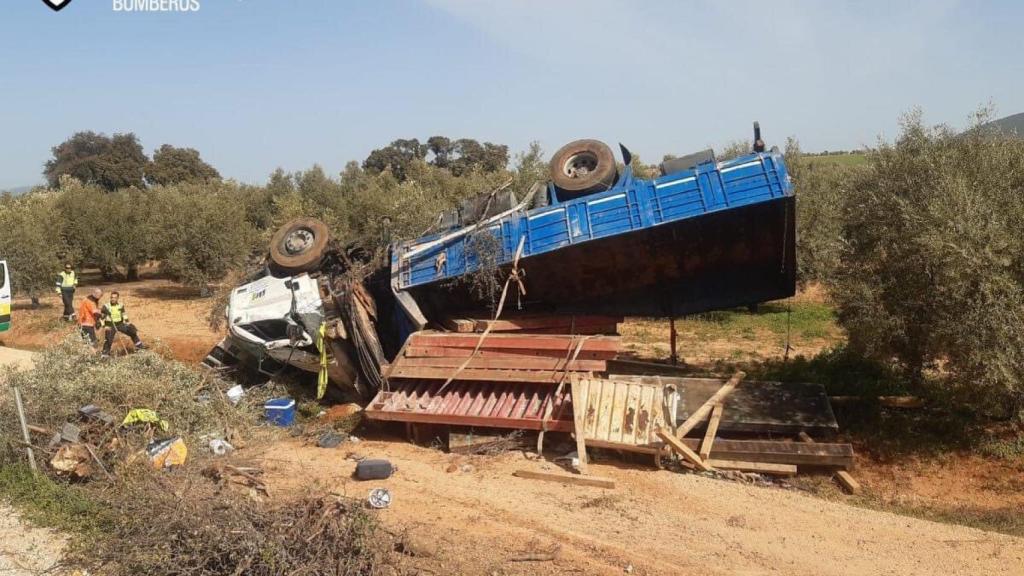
[
  {"x": 540, "y": 358},
  {"x": 539, "y": 324}
]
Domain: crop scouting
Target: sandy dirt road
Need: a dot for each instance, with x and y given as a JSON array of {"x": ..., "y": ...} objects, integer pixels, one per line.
[{"x": 473, "y": 519}]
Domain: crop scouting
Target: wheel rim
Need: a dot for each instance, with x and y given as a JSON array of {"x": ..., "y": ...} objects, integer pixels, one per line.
[
  {"x": 580, "y": 164},
  {"x": 298, "y": 241}
]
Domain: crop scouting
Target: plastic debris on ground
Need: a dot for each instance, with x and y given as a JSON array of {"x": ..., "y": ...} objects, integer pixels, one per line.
[
  {"x": 379, "y": 498},
  {"x": 167, "y": 453}
]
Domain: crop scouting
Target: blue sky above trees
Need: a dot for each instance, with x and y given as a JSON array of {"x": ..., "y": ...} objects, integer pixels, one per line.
[{"x": 257, "y": 84}]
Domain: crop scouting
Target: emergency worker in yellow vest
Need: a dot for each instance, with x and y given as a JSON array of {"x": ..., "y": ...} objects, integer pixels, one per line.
[
  {"x": 66, "y": 283},
  {"x": 115, "y": 319}
]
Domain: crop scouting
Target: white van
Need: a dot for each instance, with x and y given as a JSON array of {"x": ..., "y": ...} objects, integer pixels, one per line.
[{"x": 5, "y": 297}]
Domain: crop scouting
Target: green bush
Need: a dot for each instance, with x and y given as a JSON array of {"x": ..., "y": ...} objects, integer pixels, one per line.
[{"x": 931, "y": 271}]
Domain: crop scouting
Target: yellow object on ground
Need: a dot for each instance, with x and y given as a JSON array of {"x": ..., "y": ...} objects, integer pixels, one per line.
[{"x": 144, "y": 415}]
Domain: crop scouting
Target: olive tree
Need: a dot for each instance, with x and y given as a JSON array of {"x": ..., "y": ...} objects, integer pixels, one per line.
[
  {"x": 931, "y": 272},
  {"x": 30, "y": 242}
]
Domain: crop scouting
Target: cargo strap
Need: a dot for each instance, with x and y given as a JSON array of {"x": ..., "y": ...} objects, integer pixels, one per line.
[
  {"x": 321, "y": 382},
  {"x": 516, "y": 276}
]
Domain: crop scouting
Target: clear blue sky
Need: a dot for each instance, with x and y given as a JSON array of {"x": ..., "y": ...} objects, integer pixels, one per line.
[{"x": 257, "y": 84}]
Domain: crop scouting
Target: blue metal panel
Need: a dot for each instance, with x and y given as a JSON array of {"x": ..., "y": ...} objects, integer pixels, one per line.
[{"x": 632, "y": 204}]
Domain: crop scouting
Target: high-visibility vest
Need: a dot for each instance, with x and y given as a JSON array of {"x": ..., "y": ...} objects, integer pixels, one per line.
[
  {"x": 67, "y": 280},
  {"x": 115, "y": 312}
]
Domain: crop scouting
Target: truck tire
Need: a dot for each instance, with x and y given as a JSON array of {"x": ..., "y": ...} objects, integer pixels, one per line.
[
  {"x": 299, "y": 246},
  {"x": 582, "y": 167}
]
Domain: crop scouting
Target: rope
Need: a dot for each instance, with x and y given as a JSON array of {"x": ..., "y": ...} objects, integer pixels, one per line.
[
  {"x": 558, "y": 391},
  {"x": 514, "y": 276}
]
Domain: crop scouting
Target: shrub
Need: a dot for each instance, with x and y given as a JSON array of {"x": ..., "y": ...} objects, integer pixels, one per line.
[{"x": 931, "y": 272}]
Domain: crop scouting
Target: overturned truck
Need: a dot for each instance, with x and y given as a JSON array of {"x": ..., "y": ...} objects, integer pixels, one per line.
[{"x": 594, "y": 240}]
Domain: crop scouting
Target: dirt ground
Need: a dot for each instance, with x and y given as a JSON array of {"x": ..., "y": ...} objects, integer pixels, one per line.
[{"x": 474, "y": 519}]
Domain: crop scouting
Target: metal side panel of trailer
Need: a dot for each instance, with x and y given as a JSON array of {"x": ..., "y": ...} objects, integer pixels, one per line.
[{"x": 718, "y": 236}]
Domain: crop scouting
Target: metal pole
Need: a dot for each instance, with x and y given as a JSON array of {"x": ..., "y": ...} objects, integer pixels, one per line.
[
  {"x": 672, "y": 340},
  {"x": 24, "y": 429}
]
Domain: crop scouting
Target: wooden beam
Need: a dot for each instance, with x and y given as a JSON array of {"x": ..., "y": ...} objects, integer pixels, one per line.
[
  {"x": 506, "y": 363},
  {"x": 543, "y": 322},
  {"x": 701, "y": 413},
  {"x": 709, "y": 434},
  {"x": 443, "y": 373},
  {"x": 458, "y": 324},
  {"x": 842, "y": 476},
  {"x": 579, "y": 400},
  {"x": 682, "y": 449},
  {"x": 759, "y": 467},
  {"x": 443, "y": 352},
  {"x": 523, "y": 341},
  {"x": 566, "y": 478}
]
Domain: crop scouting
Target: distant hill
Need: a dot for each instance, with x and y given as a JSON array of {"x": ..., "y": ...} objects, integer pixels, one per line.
[
  {"x": 18, "y": 190},
  {"x": 1013, "y": 124}
]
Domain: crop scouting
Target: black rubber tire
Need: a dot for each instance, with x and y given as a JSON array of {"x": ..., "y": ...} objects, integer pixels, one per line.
[
  {"x": 309, "y": 257},
  {"x": 582, "y": 167}
]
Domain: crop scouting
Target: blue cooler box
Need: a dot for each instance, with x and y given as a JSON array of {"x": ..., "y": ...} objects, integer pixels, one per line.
[{"x": 280, "y": 411}]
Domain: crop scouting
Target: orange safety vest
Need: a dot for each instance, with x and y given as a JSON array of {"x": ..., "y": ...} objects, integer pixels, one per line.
[{"x": 87, "y": 312}]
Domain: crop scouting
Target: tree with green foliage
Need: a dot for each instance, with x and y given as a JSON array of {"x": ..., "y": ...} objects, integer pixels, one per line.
[
  {"x": 199, "y": 234},
  {"x": 172, "y": 165},
  {"x": 31, "y": 241},
  {"x": 931, "y": 272},
  {"x": 395, "y": 157},
  {"x": 110, "y": 162}
]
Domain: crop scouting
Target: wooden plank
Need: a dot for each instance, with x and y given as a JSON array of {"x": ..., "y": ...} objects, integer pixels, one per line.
[
  {"x": 759, "y": 467},
  {"x": 535, "y": 322},
  {"x": 579, "y": 401},
  {"x": 443, "y": 352},
  {"x": 604, "y": 415},
  {"x": 507, "y": 363},
  {"x": 886, "y": 401},
  {"x": 593, "y": 407},
  {"x": 682, "y": 449},
  {"x": 595, "y": 329},
  {"x": 441, "y": 373},
  {"x": 566, "y": 478},
  {"x": 629, "y": 418},
  {"x": 701, "y": 413},
  {"x": 618, "y": 411},
  {"x": 848, "y": 482},
  {"x": 499, "y": 341},
  {"x": 459, "y": 324},
  {"x": 709, "y": 434}
]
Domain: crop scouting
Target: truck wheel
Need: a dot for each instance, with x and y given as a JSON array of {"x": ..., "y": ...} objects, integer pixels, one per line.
[
  {"x": 299, "y": 245},
  {"x": 583, "y": 166}
]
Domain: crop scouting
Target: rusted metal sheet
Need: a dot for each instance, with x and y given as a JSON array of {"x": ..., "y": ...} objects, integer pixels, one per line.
[
  {"x": 620, "y": 413},
  {"x": 516, "y": 405}
]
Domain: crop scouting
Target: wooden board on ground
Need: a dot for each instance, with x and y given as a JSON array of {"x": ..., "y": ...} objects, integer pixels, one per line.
[
  {"x": 702, "y": 413},
  {"x": 682, "y": 449},
  {"x": 709, "y": 434},
  {"x": 566, "y": 478},
  {"x": 755, "y": 406},
  {"x": 759, "y": 467},
  {"x": 842, "y": 476}
]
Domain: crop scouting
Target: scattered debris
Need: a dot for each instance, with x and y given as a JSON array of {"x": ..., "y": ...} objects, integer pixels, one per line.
[
  {"x": 72, "y": 461},
  {"x": 379, "y": 498},
  {"x": 566, "y": 478},
  {"x": 235, "y": 394},
  {"x": 374, "y": 469},
  {"x": 280, "y": 411},
  {"x": 330, "y": 439},
  {"x": 551, "y": 553},
  {"x": 220, "y": 447},
  {"x": 144, "y": 416},
  {"x": 842, "y": 476},
  {"x": 167, "y": 453},
  {"x": 93, "y": 412}
]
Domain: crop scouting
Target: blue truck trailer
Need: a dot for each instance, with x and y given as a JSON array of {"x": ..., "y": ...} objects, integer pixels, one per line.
[
  {"x": 595, "y": 239},
  {"x": 711, "y": 236}
]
